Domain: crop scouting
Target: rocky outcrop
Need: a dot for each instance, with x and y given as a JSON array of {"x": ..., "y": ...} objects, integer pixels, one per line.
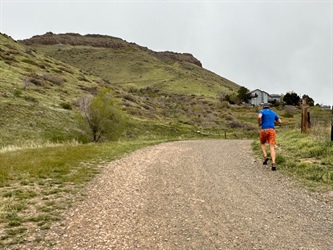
[
  {"x": 104, "y": 41},
  {"x": 76, "y": 40},
  {"x": 181, "y": 57}
]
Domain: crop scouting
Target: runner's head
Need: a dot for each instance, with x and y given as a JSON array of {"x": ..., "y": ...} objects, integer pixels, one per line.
[{"x": 266, "y": 106}]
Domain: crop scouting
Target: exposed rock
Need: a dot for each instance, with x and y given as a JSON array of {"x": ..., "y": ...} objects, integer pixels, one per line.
[
  {"x": 104, "y": 41},
  {"x": 76, "y": 39},
  {"x": 178, "y": 57}
]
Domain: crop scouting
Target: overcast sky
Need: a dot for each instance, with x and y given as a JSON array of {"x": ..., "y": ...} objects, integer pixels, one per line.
[{"x": 273, "y": 45}]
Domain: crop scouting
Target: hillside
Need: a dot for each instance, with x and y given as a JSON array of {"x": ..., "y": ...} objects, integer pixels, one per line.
[
  {"x": 131, "y": 65},
  {"x": 33, "y": 90},
  {"x": 42, "y": 79}
]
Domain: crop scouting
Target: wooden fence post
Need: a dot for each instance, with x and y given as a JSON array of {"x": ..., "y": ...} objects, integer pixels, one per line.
[
  {"x": 305, "y": 118},
  {"x": 332, "y": 125}
]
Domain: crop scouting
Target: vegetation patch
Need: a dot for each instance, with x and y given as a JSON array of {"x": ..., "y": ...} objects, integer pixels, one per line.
[
  {"x": 304, "y": 157},
  {"x": 37, "y": 184}
]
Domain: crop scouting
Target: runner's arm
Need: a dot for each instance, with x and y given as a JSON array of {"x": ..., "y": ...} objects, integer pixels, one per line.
[
  {"x": 259, "y": 119},
  {"x": 278, "y": 121}
]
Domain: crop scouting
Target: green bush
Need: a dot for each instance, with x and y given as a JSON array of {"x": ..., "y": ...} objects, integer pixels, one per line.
[
  {"x": 55, "y": 79},
  {"x": 105, "y": 120},
  {"x": 287, "y": 115},
  {"x": 66, "y": 105},
  {"x": 17, "y": 92}
]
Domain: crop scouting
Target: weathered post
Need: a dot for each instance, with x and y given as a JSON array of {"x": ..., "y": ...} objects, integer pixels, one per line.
[
  {"x": 305, "y": 117},
  {"x": 332, "y": 125}
]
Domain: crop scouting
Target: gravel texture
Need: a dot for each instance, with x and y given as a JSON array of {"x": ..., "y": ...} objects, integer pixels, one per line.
[{"x": 208, "y": 194}]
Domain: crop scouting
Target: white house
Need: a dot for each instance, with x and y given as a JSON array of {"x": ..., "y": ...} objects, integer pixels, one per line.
[
  {"x": 274, "y": 98},
  {"x": 257, "y": 97},
  {"x": 325, "y": 107}
]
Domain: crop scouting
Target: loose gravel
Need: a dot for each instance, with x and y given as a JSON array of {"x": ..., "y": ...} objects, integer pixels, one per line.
[{"x": 208, "y": 194}]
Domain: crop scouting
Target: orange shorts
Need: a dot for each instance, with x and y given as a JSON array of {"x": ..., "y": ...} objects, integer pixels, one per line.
[{"x": 267, "y": 135}]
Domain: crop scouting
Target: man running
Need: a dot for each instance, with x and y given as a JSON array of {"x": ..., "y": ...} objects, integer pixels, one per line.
[{"x": 266, "y": 120}]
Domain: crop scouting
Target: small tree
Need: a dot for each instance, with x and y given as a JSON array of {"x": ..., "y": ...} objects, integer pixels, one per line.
[
  {"x": 291, "y": 99},
  {"x": 232, "y": 99},
  {"x": 243, "y": 94},
  {"x": 103, "y": 117}
]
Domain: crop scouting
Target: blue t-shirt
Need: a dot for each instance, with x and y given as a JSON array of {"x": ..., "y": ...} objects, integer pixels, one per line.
[{"x": 268, "y": 118}]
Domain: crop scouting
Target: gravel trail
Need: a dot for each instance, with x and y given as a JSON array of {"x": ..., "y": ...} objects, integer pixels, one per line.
[{"x": 208, "y": 194}]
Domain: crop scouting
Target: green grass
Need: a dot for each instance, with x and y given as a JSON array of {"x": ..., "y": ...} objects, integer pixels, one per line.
[
  {"x": 36, "y": 184},
  {"x": 305, "y": 157},
  {"x": 39, "y": 93},
  {"x": 134, "y": 66}
]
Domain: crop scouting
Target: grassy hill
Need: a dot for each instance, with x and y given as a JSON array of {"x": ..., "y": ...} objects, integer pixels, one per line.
[
  {"x": 164, "y": 94},
  {"x": 42, "y": 79},
  {"x": 132, "y": 66},
  {"x": 34, "y": 90}
]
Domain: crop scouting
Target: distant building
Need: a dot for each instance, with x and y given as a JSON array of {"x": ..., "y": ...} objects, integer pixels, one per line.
[
  {"x": 325, "y": 107},
  {"x": 274, "y": 98},
  {"x": 257, "y": 97}
]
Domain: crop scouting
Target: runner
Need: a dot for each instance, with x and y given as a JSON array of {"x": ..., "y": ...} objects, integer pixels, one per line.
[{"x": 266, "y": 120}]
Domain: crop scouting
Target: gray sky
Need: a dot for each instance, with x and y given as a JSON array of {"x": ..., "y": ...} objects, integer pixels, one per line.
[{"x": 273, "y": 45}]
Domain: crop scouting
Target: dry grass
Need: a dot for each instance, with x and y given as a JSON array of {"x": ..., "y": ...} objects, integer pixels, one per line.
[
  {"x": 35, "y": 144},
  {"x": 37, "y": 183}
]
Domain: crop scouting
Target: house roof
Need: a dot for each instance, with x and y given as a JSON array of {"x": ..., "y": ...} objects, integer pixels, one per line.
[{"x": 259, "y": 90}]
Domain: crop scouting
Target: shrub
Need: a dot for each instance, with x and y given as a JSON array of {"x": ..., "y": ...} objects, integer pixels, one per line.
[
  {"x": 287, "y": 115},
  {"x": 30, "y": 99},
  {"x": 17, "y": 92},
  {"x": 103, "y": 117},
  {"x": 129, "y": 97},
  {"x": 224, "y": 104},
  {"x": 31, "y": 62},
  {"x": 236, "y": 124},
  {"x": 66, "y": 105},
  {"x": 55, "y": 79}
]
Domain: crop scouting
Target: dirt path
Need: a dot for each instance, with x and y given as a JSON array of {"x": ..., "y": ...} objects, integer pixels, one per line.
[{"x": 209, "y": 194}]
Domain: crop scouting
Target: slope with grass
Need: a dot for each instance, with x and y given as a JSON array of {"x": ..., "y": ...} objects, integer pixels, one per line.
[
  {"x": 164, "y": 88},
  {"x": 160, "y": 91},
  {"x": 131, "y": 65},
  {"x": 37, "y": 93}
]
